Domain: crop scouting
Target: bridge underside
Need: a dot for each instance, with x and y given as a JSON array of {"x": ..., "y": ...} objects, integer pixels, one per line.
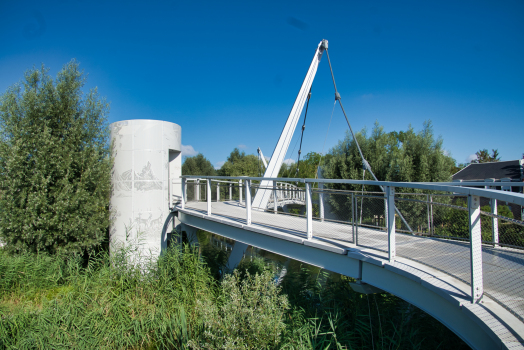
[{"x": 444, "y": 297}]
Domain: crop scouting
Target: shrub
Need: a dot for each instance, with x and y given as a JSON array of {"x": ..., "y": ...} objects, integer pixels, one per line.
[
  {"x": 55, "y": 164},
  {"x": 248, "y": 315}
]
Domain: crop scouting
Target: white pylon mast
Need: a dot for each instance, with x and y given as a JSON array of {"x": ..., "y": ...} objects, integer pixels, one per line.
[{"x": 263, "y": 194}]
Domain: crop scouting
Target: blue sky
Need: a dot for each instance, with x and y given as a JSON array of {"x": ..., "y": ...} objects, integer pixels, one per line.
[{"x": 228, "y": 72}]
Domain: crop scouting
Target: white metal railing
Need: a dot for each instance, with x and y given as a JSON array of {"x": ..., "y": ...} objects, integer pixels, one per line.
[
  {"x": 472, "y": 207},
  {"x": 285, "y": 192}
]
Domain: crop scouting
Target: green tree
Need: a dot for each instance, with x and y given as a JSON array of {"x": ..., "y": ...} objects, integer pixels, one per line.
[
  {"x": 241, "y": 164},
  {"x": 405, "y": 156},
  {"x": 55, "y": 164},
  {"x": 198, "y": 165},
  {"x": 483, "y": 156},
  {"x": 395, "y": 156}
]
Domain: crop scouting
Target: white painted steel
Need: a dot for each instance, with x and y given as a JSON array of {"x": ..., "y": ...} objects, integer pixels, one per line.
[
  {"x": 482, "y": 326},
  {"x": 262, "y": 195},
  {"x": 309, "y": 213},
  {"x": 494, "y": 220},
  {"x": 208, "y": 196},
  {"x": 275, "y": 197},
  {"x": 147, "y": 160},
  {"x": 390, "y": 219},
  {"x": 456, "y": 187},
  {"x": 424, "y": 249},
  {"x": 240, "y": 184},
  {"x": 263, "y": 158},
  {"x": 197, "y": 190},
  {"x": 248, "y": 201},
  {"x": 321, "y": 201},
  {"x": 184, "y": 191},
  {"x": 475, "y": 236}
]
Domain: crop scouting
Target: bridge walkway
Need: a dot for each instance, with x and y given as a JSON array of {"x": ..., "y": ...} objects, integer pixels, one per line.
[{"x": 448, "y": 259}]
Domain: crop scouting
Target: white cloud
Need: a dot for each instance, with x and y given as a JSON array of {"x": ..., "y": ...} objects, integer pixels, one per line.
[
  {"x": 471, "y": 157},
  {"x": 218, "y": 165},
  {"x": 446, "y": 152},
  {"x": 289, "y": 161},
  {"x": 242, "y": 146},
  {"x": 188, "y": 151}
]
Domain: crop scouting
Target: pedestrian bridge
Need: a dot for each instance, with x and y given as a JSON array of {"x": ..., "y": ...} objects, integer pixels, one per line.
[{"x": 456, "y": 252}]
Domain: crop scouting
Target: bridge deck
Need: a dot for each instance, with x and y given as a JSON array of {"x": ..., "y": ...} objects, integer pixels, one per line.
[{"x": 503, "y": 270}]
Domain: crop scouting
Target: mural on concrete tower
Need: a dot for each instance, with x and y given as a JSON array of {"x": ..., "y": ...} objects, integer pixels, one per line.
[{"x": 153, "y": 182}]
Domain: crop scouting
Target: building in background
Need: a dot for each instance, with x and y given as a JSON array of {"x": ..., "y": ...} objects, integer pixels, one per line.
[{"x": 502, "y": 174}]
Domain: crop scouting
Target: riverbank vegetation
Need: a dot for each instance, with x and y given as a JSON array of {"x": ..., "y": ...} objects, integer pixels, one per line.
[{"x": 181, "y": 302}]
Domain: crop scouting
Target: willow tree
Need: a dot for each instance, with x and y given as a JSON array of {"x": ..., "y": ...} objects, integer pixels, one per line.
[
  {"x": 405, "y": 156},
  {"x": 396, "y": 156},
  {"x": 55, "y": 164}
]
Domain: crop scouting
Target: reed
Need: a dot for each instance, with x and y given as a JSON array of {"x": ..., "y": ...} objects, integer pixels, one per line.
[{"x": 181, "y": 302}]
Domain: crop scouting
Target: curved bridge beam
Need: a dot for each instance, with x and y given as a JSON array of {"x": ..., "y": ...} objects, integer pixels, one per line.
[{"x": 484, "y": 325}]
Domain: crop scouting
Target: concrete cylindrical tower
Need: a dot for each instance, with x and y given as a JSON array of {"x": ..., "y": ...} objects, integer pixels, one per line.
[{"x": 146, "y": 172}]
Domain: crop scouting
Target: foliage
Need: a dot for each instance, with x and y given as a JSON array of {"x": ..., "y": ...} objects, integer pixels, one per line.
[
  {"x": 55, "y": 164},
  {"x": 198, "y": 165},
  {"x": 240, "y": 164},
  {"x": 307, "y": 167},
  {"x": 249, "y": 314},
  {"x": 483, "y": 156},
  {"x": 110, "y": 304},
  {"x": 55, "y": 302},
  {"x": 459, "y": 167},
  {"x": 327, "y": 314},
  {"x": 107, "y": 303},
  {"x": 396, "y": 156}
]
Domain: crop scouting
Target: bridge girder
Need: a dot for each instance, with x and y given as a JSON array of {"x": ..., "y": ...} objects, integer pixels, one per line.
[{"x": 477, "y": 324}]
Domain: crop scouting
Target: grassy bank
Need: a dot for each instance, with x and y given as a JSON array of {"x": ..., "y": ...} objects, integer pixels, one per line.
[{"x": 65, "y": 302}]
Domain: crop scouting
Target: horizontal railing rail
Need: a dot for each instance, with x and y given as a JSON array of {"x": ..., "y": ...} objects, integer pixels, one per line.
[{"x": 449, "y": 212}]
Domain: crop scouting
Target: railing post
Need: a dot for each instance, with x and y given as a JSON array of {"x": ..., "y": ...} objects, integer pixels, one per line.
[
  {"x": 494, "y": 221},
  {"x": 248, "y": 201},
  {"x": 208, "y": 195},
  {"x": 431, "y": 214},
  {"x": 218, "y": 191},
  {"x": 275, "y": 197},
  {"x": 321, "y": 200},
  {"x": 429, "y": 219},
  {"x": 475, "y": 242},
  {"x": 240, "y": 191},
  {"x": 197, "y": 190},
  {"x": 353, "y": 210},
  {"x": 230, "y": 191},
  {"x": 390, "y": 211},
  {"x": 183, "y": 200},
  {"x": 309, "y": 212},
  {"x": 356, "y": 220}
]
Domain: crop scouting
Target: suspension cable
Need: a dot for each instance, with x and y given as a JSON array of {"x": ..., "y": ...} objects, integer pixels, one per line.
[
  {"x": 302, "y": 134},
  {"x": 365, "y": 163}
]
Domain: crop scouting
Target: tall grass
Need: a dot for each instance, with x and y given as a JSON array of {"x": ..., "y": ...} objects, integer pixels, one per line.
[
  {"x": 178, "y": 302},
  {"x": 107, "y": 304}
]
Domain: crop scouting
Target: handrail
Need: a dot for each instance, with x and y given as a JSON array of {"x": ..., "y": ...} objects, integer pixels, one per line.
[
  {"x": 457, "y": 187},
  {"x": 389, "y": 196}
]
